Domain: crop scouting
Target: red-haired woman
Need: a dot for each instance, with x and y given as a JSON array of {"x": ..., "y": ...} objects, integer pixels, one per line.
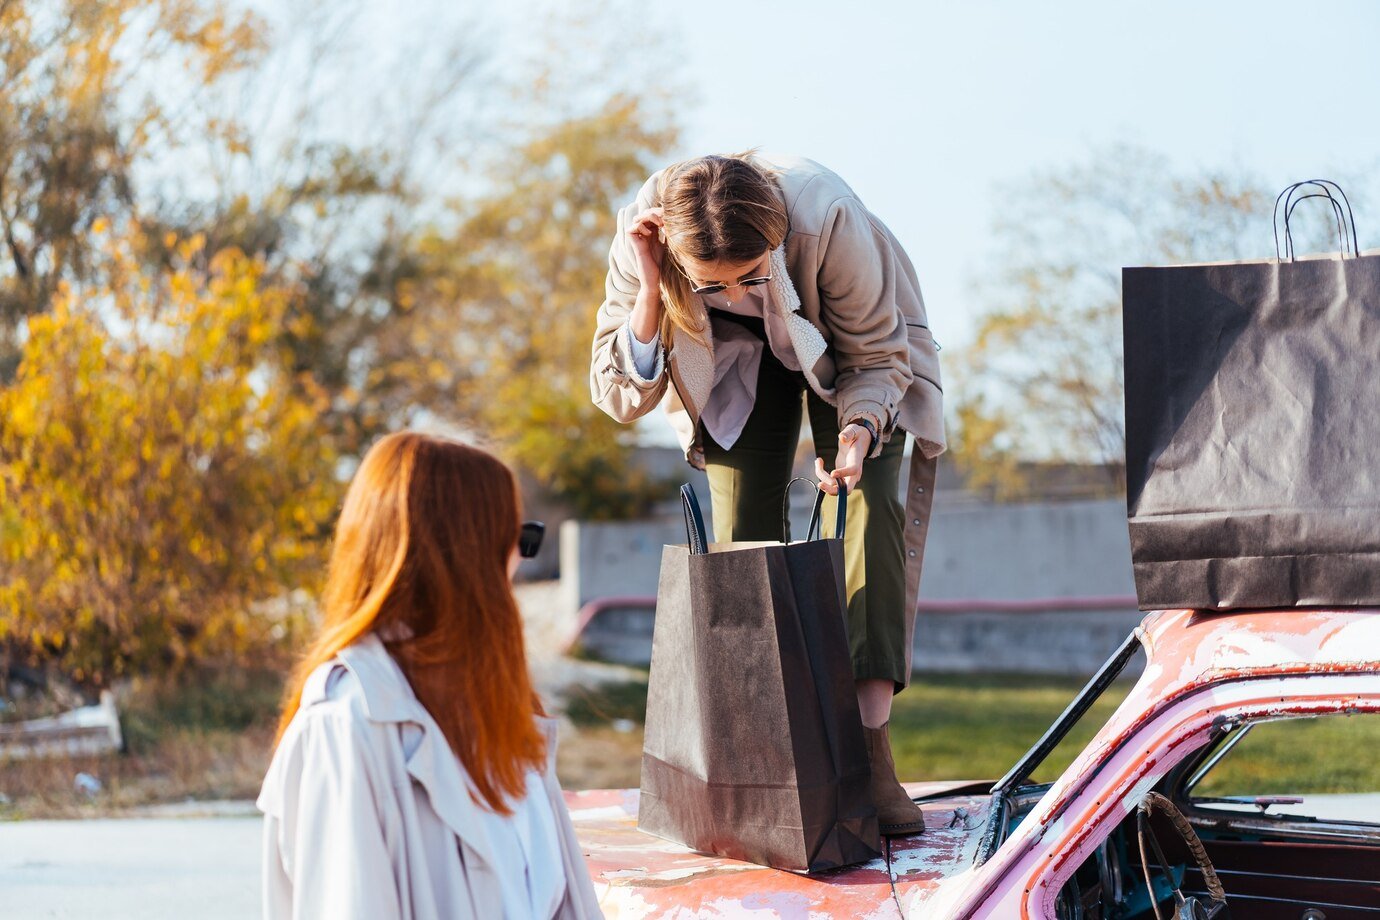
[{"x": 413, "y": 774}]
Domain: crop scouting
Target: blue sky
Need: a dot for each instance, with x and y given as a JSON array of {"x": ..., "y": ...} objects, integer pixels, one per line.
[
  {"x": 927, "y": 108},
  {"x": 930, "y": 109}
]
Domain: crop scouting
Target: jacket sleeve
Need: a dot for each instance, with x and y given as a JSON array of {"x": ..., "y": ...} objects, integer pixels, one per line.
[
  {"x": 615, "y": 385},
  {"x": 858, "y": 275},
  {"x": 647, "y": 358},
  {"x": 325, "y": 851}
]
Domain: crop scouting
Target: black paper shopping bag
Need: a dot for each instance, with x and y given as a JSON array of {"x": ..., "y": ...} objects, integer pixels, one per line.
[
  {"x": 1253, "y": 426},
  {"x": 754, "y": 747}
]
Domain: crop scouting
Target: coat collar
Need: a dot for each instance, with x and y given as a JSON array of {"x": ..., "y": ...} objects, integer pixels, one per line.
[
  {"x": 783, "y": 297},
  {"x": 387, "y": 695},
  {"x": 388, "y": 698}
]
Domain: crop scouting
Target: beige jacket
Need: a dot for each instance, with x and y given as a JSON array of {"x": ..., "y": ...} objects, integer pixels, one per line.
[
  {"x": 852, "y": 305},
  {"x": 354, "y": 827}
]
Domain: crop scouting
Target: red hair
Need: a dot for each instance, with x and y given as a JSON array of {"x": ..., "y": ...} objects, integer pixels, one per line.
[{"x": 423, "y": 542}]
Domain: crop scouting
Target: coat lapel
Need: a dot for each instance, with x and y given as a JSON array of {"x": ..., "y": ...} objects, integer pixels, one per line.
[
  {"x": 434, "y": 767},
  {"x": 694, "y": 366},
  {"x": 806, "y": 340},
  {"x": 389, "y": 698}
]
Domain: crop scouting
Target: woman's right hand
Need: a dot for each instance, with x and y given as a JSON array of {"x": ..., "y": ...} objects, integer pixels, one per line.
[{"x": 645, "y": 235}]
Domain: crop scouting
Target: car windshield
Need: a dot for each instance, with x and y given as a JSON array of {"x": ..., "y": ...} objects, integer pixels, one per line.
[
  {"x": 1071, "y": 730},
  {"x": 1315, "y": 768}
]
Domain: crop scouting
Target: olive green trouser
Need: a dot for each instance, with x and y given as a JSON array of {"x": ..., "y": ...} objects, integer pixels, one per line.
[{"x": 747, "y": 485}]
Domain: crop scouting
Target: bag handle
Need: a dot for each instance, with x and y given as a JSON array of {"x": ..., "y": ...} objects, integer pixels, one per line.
[
  {"x": 1350, "y": 218},
  {"x": 1287, "y": 197},
  {"x": 813, "y": 531},
  {"x": 694, "y": 521},
  {"x": 1291, "y": 203},
  {"x": 1327, "y": 186}
]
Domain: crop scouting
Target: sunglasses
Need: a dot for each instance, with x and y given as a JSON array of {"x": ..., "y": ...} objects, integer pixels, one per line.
[
  {"x": 529, "y": 539},
  {"x": 716, "y": 288}
]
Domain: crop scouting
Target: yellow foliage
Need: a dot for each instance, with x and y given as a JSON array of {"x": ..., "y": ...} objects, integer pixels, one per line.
[
  {"x": 502, "y": 325},
  {"x": 163, "y": 468}
]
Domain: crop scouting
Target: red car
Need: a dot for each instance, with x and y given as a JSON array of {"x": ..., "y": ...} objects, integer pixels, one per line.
[{"x": 1159, "y": 816}]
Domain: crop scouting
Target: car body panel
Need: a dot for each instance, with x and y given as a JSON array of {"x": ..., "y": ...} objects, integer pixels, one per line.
[
  {"x": 1024, "y": 877},
  {"x": 1200, "y": 658},
  {"x": 640, "y": 876},
  {"x": 1201, "y": 667}
]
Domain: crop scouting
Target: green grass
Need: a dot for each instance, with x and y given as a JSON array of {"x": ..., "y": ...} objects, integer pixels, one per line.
[
  {"x": 942, "y": 727},
  {"x": 207, "y": 735},
  {"x": 953, "y": 727},
  {"x": 602, "y": 705},
  {"x": 227, "y": 700},
  {"x": 978, "y": 726},
  {"x": 1327, "y": 754}
]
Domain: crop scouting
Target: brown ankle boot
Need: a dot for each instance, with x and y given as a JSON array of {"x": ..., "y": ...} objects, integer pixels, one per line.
[{"x": 897, "y": 815}]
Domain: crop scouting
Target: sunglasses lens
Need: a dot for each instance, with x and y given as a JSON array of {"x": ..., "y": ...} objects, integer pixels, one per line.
[
  {"x": 529, "y": 541},
  {"x": 716, "y": 288}
]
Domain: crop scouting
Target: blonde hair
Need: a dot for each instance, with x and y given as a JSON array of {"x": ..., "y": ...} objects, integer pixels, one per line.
[{"x": 716, "y": 209}]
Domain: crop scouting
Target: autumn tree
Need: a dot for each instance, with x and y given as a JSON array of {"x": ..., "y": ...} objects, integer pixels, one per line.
[
  {"x": 359, "y": 147},
  {"x": 443, "y": 261},
  {"x": 84, "y": 103},
  {"x": 504, "y": 306},
  {"x": 474, "y": 309},
  {"x": 163, "y": 474},
  {"x": 1042, "y": 379},
  {"x": 183, "y": 395}
]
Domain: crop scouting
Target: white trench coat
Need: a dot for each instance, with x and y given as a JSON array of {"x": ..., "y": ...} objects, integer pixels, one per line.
[{"x": 354, "y": 827}]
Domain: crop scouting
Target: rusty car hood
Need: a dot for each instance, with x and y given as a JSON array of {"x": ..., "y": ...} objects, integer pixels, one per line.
[{"x": 637, "y": 875}]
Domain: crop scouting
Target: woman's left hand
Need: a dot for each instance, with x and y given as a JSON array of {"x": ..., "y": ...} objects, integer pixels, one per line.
[{"x": 854, "y": 443}]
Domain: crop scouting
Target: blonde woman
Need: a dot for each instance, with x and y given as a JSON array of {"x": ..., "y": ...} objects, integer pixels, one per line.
[
  {"x": 742, "y": 289},
  {"x": 413, "y": 773}
]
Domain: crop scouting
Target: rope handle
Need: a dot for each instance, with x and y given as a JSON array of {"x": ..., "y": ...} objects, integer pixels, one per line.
[
  {"x": 1327, "y": 186},
  {"x": 813, "y": 531}
]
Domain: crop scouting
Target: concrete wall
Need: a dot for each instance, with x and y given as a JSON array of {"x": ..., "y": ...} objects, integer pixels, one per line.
[
  {"x": 605, "y": 558},
  {"x": 1009, "y": 552},
  {"x": 976, "y": 552},
  {"x": 1069, "y": 643},
  {"x": 1014, "y": 552},
  {"x": 1064, "y": 643}
]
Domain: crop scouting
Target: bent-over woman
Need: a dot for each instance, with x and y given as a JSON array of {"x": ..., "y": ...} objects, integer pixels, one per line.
[{"x": 742, "y": 292}]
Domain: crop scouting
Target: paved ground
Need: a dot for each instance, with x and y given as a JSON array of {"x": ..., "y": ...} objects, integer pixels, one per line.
[
  {"x": 201, "y": 860},
  {"x": 130, "y": 869}
]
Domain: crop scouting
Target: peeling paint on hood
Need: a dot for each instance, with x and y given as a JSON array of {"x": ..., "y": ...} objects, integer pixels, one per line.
[{"x": 637, "y": 875}]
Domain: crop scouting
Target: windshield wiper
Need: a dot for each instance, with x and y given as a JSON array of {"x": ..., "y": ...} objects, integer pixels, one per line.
[
  {"x": 997, "y": 812},
  {"x": 1263, "y": 802}
]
